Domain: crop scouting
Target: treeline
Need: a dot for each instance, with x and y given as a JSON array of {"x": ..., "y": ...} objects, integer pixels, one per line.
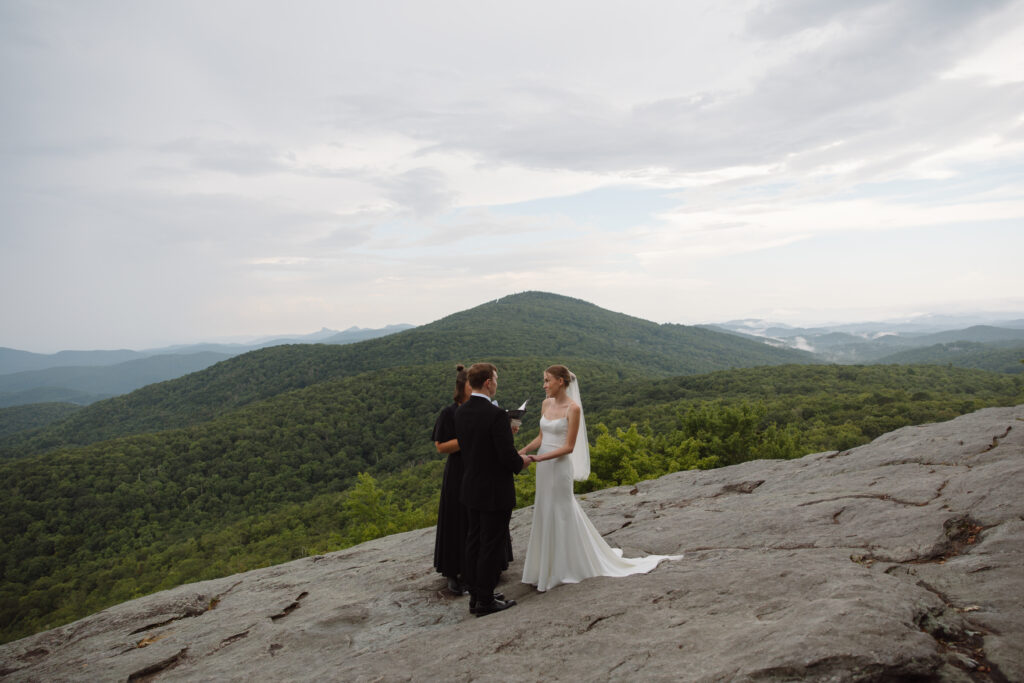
[
  {"x": 340, "y": 462},
  {"x": 879, "y": 398},
  {"x": 648, "y": 429}
]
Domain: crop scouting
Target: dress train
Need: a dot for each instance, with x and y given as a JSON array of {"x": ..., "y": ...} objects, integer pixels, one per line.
[{"x": 564, "y": 546}]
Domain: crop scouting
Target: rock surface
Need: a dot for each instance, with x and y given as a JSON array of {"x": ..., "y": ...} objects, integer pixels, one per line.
[{"x": 902, "y": 559}]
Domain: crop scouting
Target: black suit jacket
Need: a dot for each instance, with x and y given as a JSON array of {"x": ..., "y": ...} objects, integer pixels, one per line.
[{"x": 489, "y": 455}]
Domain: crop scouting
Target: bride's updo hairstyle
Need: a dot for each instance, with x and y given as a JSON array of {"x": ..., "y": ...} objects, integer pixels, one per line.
[
  {"x": 560, "y": 372},
  {"x": 461, "y": 377}
]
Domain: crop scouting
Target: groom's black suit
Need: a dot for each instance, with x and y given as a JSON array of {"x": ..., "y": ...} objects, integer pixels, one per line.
[{"x": 488, "y": 491}]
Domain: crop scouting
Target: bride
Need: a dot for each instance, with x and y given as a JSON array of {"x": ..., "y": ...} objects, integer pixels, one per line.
[{"x": 565, "y": 547}]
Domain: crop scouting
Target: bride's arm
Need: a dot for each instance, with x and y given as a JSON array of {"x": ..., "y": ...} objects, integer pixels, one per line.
[
  {"x": 570, "y": 437},
  {"x": 532, "y": 446},
  {"x": 535, "y": 444}
]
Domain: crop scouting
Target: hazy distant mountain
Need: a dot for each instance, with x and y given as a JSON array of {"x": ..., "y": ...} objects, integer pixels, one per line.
[
  {"x": 324, "y": 336},
  {"x": 328, "y": 336},
  {"x": 873, "y": 341},
  {"x": 984, "y": 334},
  {"x": 13, "y": 360},
  {"x": 83, "y": 377},
  {"x": 918, "y": 325},
  {"x": 87, "y": 384},
  {"x": 311, "y": 338},
  {"x": 357, "y": 334}
]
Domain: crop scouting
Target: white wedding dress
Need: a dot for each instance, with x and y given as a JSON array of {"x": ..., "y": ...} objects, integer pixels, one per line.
[{"x": 565, "y": 547}]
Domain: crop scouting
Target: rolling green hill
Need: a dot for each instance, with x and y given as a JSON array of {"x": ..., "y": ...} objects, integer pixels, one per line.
[
  {"x": 983, "y": 334},
  {"x": 995, "y": 357},
  {"x": 532, "y": 324},
  {"x": 14, "y": 360},
  {"x": 25, "y": 417},
  {"x": 87, "y": 384},
  {"x": 36, "y": 395}
]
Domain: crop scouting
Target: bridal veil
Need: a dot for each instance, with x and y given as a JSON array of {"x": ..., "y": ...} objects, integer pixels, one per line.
[{"x": 580, "y": 456}]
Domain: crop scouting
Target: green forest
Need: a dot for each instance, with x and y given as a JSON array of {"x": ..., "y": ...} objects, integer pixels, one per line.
[
  {"x": 997, "y": 357},
  {"x": 299, "y": 450}
]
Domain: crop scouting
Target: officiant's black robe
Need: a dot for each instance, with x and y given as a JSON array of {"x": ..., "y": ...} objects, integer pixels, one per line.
[{"x": 452, "y": 520}]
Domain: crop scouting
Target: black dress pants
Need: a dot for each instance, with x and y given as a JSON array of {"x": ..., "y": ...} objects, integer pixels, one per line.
[{"x": 486, "y": 543}]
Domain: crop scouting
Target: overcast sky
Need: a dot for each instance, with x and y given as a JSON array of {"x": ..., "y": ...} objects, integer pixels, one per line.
[{"x": 203, "y": 170}]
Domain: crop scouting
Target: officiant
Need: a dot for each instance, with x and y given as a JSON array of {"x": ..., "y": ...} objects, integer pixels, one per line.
[{"x": 452, "y": 518}]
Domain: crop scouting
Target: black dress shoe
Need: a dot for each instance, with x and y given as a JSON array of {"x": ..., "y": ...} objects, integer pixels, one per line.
[
  {"x": 455, "y": 586},
  {"x": 494, "y": 606},
  {"x": 472, "y": 601}
]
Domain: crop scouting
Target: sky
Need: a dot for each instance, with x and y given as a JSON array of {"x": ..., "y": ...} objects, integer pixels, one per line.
[{"x": 173, "y": 172}]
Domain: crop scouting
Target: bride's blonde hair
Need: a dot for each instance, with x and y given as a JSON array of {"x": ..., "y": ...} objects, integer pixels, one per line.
[{"x": 561, "y": 372}]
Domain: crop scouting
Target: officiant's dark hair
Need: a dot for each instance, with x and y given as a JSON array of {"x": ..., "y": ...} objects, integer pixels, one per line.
[
  {"x": 479, "y": 373},
  {"x": 561, "y": 372},
  {"x": 461, "y": 377}
]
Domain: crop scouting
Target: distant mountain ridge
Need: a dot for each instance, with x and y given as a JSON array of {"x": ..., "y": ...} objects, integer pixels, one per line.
[
  {"x": 872, "y": 342},
  {"x": 531, "y": 324},
  {"x": 15, "y": 360},
  {"x": 544, "y": 324},
  {"x": 1004, "y": 357},
  {"x": 87, "y": 384},
  {"x": 83, "y": 377},
  {"x": 324, "y": 336},
  {"x": 917, "y": 325}
]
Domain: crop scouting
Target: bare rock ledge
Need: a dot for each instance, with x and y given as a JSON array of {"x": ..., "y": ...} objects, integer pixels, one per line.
[{"x": 899, "y": 560}]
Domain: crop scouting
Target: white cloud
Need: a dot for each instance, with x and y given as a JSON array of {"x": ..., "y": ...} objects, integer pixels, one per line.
[
  {"x": 291, "y": 158},
  {"x": 999, "y": 59}
]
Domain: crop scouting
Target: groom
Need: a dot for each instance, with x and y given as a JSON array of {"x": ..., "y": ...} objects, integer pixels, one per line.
[{"x": 490, "y": 459}]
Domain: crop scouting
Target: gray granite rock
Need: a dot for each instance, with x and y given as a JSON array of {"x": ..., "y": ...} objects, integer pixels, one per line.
[{"x": 899, "y": 560}]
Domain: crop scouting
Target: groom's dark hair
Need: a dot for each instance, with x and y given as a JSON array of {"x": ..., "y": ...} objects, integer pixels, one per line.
[{"x": 479, "y": 373}]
